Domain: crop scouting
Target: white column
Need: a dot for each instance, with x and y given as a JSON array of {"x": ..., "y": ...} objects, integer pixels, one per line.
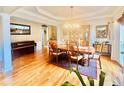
[
  {"x": 115, "y": 55},
  {"x": 5, "y": 42},
  {"x": 0, "y": 42}
]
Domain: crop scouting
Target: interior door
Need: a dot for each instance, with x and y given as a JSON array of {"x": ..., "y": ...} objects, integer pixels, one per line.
[{"x": 44, "y": 36}]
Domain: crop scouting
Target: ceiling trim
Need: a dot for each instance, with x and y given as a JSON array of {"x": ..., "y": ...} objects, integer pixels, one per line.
[
  {"x": 91, "y": 15},
  {"x": 16, "y": 9},
  {"x": 43, "y": 16},
  {"x": 34, "y": 17},
  {"x": 117, "y": 10},
  {"x": 47, "y": 14}
]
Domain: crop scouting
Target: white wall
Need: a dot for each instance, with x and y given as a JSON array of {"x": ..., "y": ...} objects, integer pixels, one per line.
[{"x": 36, "y": 31}]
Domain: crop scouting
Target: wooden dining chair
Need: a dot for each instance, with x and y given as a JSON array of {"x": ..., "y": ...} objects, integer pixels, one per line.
[
  {"x": 54, "y": 51},
  {"x": 73, "y": 53},
  {"x": 95, "y": 56}
]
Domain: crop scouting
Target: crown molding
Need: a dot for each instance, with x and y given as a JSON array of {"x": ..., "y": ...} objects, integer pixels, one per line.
[
  {"x": 43, "y": 16},
  {"x": 16, "y": 9},
  {"x": 47, "y": 14},
  {"x": 88, "y": 16},
  {"x": 117, "y": 11},
  {"x": 34, "y": 17}
]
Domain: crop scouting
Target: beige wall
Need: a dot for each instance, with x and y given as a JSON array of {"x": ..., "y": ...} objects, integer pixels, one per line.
[
  {"x": 36, "y": 30},
  {"x": 93, "y": 24}
]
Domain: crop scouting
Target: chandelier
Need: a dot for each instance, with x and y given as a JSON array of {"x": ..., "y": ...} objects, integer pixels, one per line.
[{"x": 71, "y": 24}]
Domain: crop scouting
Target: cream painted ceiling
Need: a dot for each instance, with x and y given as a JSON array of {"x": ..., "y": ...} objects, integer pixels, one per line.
[
  {"x": 63, "y": 12},
  {"x": 78, "y": 11}
]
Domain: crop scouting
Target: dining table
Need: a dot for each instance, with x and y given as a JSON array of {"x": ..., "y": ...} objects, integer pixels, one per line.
[
  {"x": 87, "y": 51},
  {"x": 81, "y": 49}
]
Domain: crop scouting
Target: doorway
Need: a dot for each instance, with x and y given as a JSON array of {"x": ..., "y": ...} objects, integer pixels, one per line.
[
  {"x": 48, "y": 33},
  {"x": 44, "y": 35}
]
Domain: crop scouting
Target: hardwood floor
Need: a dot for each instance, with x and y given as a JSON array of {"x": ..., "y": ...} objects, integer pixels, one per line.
[{"x": 34, "y": 70}]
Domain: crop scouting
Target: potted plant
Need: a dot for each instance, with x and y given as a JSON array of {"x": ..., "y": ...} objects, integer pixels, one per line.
[{"x": 90, "y": 79}]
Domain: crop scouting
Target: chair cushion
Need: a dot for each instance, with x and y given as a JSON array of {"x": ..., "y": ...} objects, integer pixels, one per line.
[
  {"x": 59, "y": 53},
  {"x": 92, "y": 56},
  {"x": 96, "y": 56},
  {"x": 77, "y": 57},
  {"x": 86, "y": 56}
]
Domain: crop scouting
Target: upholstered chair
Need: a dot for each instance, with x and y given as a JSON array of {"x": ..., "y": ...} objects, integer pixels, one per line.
[
  {"x": 73, "y": 53},
  {"x": 54, "y": 51}
]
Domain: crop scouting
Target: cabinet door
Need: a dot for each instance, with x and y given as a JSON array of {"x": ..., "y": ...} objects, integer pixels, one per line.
[
  {"x": 97, "y": 47},
  {"x": 105, "y": 48}
]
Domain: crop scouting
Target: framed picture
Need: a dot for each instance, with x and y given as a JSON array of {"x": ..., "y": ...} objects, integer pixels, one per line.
[
  {"x": 102, "y": 31},
  {"x": 20, "y": 29}
]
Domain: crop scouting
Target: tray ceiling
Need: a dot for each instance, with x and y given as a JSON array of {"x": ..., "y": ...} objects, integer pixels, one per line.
[{"x": 59, "y": 13}]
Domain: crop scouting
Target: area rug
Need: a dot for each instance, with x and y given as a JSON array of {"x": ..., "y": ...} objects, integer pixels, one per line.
[{"x": 90, "y": 70}]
